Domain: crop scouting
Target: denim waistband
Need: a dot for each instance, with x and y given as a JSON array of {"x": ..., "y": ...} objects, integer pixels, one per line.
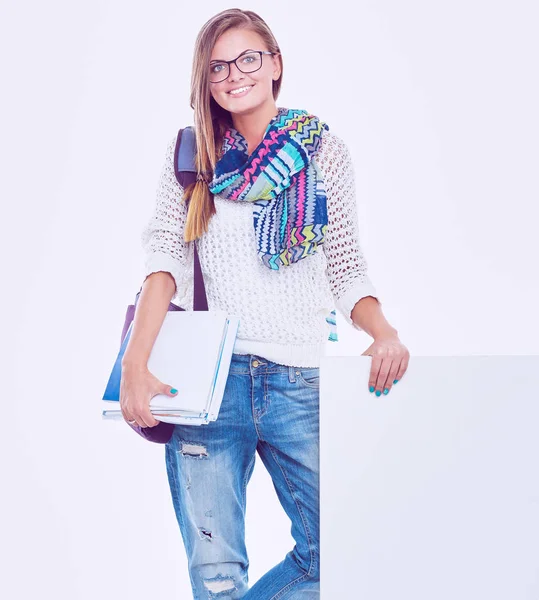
[{"x": 255, "y": 364}]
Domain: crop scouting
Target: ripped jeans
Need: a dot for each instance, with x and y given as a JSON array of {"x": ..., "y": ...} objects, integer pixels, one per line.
[{"x": 271, "y": 409}]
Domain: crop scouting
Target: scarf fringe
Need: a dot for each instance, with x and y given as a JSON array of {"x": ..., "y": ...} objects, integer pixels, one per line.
[{"x": 332, "y": 322}]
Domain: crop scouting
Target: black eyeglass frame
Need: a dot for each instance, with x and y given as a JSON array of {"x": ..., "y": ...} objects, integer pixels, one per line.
[{"x": 229, "y": 62}]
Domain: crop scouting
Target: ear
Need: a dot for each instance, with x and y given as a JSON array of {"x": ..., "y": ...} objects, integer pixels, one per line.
[{"x": 276, "y": 66}]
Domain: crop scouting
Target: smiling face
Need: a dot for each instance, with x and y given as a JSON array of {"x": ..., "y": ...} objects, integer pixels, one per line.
[{"x": 230, "y": 45}]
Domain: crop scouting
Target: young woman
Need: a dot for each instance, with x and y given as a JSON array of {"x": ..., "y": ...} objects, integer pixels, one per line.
[{"x": 274, "y": 215}]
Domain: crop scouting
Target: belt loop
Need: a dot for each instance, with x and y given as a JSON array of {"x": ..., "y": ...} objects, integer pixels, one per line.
[{"x": 292, "y": 374}]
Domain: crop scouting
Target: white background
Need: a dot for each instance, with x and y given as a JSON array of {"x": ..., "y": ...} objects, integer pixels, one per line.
[{"x": 437, "y": 102}]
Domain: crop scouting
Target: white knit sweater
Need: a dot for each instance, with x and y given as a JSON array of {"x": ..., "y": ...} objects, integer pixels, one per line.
[{"x": 282, "y": 312}]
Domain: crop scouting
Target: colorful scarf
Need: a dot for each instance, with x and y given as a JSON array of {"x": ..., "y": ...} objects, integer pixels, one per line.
[{"x": 285, "y": 186}]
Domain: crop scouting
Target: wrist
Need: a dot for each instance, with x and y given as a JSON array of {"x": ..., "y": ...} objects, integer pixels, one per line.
[
  {"x": 130, "y": 364},
  {"x": 387, "y": 332}
]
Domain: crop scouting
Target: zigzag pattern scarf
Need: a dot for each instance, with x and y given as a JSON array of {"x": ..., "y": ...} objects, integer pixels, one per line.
[{"x": 283, "y": 183}]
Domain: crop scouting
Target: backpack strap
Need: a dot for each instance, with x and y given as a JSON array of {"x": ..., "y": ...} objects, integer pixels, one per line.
[
  {"x": 184, "y": 156},
  {"x": 185, "y": 172}
]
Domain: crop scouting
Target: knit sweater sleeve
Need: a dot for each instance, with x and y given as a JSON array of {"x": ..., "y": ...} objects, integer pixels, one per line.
[
  {"x": 347, "y": 267},
  {"x": 162, "y": 237}
]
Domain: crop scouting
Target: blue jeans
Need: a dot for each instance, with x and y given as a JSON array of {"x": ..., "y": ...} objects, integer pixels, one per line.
[{"x": 271, "y": 409}]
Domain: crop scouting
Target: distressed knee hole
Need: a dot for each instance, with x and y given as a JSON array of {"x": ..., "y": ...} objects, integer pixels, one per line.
[{"x": 220, "y": 585}]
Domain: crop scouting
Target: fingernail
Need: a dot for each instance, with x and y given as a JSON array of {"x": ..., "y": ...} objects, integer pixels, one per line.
[
  {"x": 378, "y": 393},
  {"x": 173, "y": 390},
  {"x": 371, "y": 389},
  {"x": 395, "y": 381},
  {"x": 386, "y": 391}
]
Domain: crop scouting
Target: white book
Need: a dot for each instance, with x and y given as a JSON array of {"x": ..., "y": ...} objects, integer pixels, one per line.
[{"x": 192, "y": 353}]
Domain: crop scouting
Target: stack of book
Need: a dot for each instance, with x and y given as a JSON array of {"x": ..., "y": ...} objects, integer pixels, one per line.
[{"x": 192, "y": 353}]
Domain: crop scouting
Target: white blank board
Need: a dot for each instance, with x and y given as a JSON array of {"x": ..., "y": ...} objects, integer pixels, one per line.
[{"x": 433, "y": 490}]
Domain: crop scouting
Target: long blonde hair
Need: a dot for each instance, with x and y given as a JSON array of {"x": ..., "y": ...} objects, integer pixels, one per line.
[{"x": 210, "y": 119}]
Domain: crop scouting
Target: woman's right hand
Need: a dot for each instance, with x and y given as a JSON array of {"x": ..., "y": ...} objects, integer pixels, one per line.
[{"x": 137, "y": 387}]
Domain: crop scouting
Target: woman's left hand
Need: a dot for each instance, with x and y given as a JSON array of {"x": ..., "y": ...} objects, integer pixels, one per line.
[{"x": 390, "y": 360}]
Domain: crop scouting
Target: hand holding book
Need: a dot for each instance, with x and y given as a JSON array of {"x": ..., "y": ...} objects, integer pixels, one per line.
[{"x": 137, "y": 387}]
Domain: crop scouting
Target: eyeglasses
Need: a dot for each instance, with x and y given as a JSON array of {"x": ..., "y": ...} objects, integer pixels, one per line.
[{"x": 248, "y": 63}]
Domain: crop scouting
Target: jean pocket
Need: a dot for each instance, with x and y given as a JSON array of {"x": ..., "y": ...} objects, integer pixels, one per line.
[{"x": 310, "y": 377}]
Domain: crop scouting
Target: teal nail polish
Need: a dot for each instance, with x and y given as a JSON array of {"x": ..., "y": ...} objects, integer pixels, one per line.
[
  {"x": 378, "y": 393},
  {"x": 395, "y": 381},
  {"x": 371, "y": 389},
  {"x": 386, "y": 391},
  {"x": 173, "y": 390}
]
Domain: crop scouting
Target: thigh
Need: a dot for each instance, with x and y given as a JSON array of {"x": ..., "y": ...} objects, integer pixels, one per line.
[
  {"x": 208, "y": 468},
  {"x": 291, "y": 420}
]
